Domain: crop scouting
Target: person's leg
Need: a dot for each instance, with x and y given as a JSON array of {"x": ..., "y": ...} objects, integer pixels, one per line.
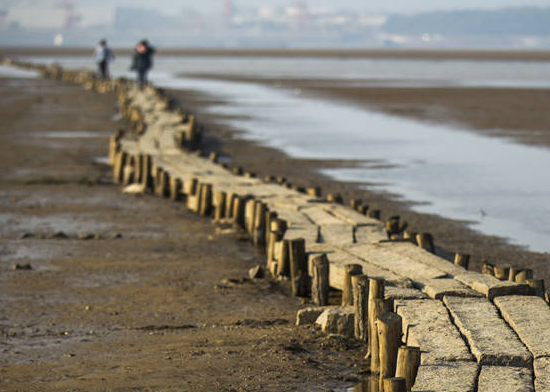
[
  {"x": 141, "y": 78},
  {"x": 103, "y": 69}
]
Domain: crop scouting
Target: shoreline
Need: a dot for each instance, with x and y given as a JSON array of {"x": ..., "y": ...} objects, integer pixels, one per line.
[{"x": 416, "y": 54}]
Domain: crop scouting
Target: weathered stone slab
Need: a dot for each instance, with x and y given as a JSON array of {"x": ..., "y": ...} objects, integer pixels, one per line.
[
  {"x": 394, "y": 292},
  {"x": 337, "y": 234},
  {"x": 309, "y": 315},
  {"x": 490, "y": 286},
  {"x": 505, "y": 379},
  {"x": 338, "y": 320},
  {"x": 437, "y": 288},
  {"x": 410, "y": 251},
  {"x": 338, "y": 259},
  {"x": 530, "y": 318},
  {"x": 370, "y": 234},
  {"x": 321, "y": 217},
  {"x": 447, "y": 377},
  {"x": 294, "y": 218},
  {"x": 377, "y": 255},
  {"x": 430, "y": 328},
  {"x": 351, "y": 216},
  {"x": 309, "y": 233},
  {"x": 542, "y": 374},
  {"x": 491, "y": 340}
]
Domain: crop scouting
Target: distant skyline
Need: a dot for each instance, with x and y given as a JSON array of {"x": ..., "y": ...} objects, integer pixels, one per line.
[{"x": 402, "y": 6}]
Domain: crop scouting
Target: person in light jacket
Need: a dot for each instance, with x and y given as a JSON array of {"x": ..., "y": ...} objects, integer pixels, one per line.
[
  {"x": 142, "y": 61},
  {"x": 102, "y": 56}
]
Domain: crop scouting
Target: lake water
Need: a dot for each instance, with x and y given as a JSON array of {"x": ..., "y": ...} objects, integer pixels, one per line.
[{"x": 500, "y": 186}]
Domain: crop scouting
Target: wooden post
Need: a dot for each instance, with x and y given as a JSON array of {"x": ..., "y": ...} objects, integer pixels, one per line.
[
  {"x": 113, "y": 148},
  {"x": 390, "y": 329},
  {"x": 238, "y": 212},
  {"x": 360, "y": 284},
  {"x": 501, "y": 272},
  {"x": 249, "y": 209},
  {"x": 319, "y": 283},
  {"x": 219, "y": 205},
  {"x": 277, "y": 228},
  {"x": 375, "y": 214},
  {"x": 547, "y": 297},
  {"x": 462, "y": 260},
  {"x": 206, "y": 200},
  {"x": 363, "y": 209},
  {"x": 213, "y": 157},
  {"x": 162, "y": 183},
  {"x": 138, "y": 170},
  {"x": 347, "y": 293},
  {"x": 314, "y": 191},
  {"x": 523, "y": 275},
  {"x": 425, "y": 241},
  {"x": 394, "y": 384},
  {"x": 537, "y": 286},
  {"x": 488, "y": 269},
  {"x": 229, "y": 200},
  {"x": 146, "y": 178},
  {"x": 269, "y": 216},
  {"x": 190, "y": 187},
  {"x": 298, "y": 267},
  {"x": 354, "y": 203},
  {"x": 258, "y": 231},
  {"x": 128, "y": 171},
  {"x": 175, "y": 189},
  {"x": 283, "y": 263},
  {"x": 377, "y": 307},
  {"x": 118, "y": 169},
  {"x": 238, "y": 171},
  {"x": 513, "y": 273},
  {"x": 410, "y": 235},
  {"x": 408, "y": 361}
]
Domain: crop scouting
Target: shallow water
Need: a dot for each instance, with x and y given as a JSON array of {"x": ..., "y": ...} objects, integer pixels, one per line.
[{"x": 499, "y": 186}]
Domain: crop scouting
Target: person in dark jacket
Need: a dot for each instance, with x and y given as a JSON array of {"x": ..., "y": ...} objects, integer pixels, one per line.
[{"x": 142, "y": 61}]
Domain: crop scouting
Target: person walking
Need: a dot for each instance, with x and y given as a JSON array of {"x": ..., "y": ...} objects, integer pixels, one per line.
[
  {"x": 102, "y": 56},
  {"x": 142, "y": 61}
]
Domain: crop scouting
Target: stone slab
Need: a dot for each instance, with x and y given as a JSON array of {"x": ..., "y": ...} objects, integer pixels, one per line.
[
  {"x": 430, "y": 328},
  {"x": 490, "y": 286},
  {"x": 438, "y": 288},
  {"x": 378, "y": 255},
  {"x": 393, "y": 292},
  {"x": 351, "y": 216},
  {"x": 446, "y": 377},
  {"x": 542, "y": 374},
  {"x": 309, "y": 233},
  {"x": 320, "y": 216},
  {"x": 337, "y": 234},
  {"x": 491, "y": 340},
  {"x": 370, "y": 234},
  {"x": 505, "y": 379},
  {"x": 529, "y": 317}
]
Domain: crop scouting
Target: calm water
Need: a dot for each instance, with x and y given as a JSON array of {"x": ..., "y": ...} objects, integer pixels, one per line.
[{"x": 501, "y": 187}]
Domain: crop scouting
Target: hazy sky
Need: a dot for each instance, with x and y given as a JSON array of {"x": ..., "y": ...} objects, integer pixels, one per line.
[{"x": 363, "y": 5}]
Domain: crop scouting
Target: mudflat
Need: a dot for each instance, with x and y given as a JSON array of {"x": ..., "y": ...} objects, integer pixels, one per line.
[{"x": 104, "y": 291}]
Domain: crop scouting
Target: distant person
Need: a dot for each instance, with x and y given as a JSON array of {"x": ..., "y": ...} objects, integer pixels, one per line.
[
  {"x": 142, "y": 61},
  {"x": 102, "y": 56}
]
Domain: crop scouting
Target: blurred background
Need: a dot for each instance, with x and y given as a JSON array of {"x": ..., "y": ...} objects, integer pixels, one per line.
[{"x": 279, "y": 23}]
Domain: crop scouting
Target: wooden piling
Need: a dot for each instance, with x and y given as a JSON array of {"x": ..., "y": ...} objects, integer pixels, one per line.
[
  {"x": 249, "y": 209},
  {"x": 523, "y": 275},
  {"x": 238, "y": 212},
  {"x": 354, "y": 203},
  {"x": 138, "y": 170},
  {"x": 394, "y": 384},
  {"x": 146, "y": 177},
  {"x": 512, "y": 274},
  {"x": 205, "y": 206},
  {"x": 425, "y": 241},
  {"x": 128, "y": 171},
  {"x": 389, "y": 326},
  {"x": 347, "y": 292},
  {"x": 213, "y": 157},
  {"x": 283, "y": 263},
  {"x": 191, "y": 186},
  {"x": 229, "y": 200},
  {"x": 277, "y": 228},
  {"x": 258, "y": 232},
  {"x": 319, "y": 282},
  {"x": 175, "y": 189},
  {"x": 487, "y": 268},
  {"x": 501, "y": 272},
  {"x": 537, "y": 285},
  {"x": 462, "y": 260},
  {"x": 377, "y": 307},
  {"x": 219, "y": 205},
  {"x": 314, "y": 191},
  {"x": 298, "y": 267},
  {"x": 363, "y": 209},
  {"x": 118, "y": 169},
  {"x": 238, "y": 171},
  {"x": 360, "y": 284},
  {"x": 374, "y": 214},
  {"x": 269, "y": 217},
  {"x": 408, "y": 361}
]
